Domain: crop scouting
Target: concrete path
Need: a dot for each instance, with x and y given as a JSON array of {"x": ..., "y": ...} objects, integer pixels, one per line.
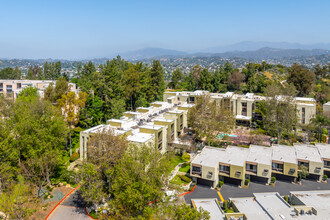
[{"x": 72, "y": 208}]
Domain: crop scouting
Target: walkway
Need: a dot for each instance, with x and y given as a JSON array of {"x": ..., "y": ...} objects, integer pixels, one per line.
[{"x": 72, "y": 208}]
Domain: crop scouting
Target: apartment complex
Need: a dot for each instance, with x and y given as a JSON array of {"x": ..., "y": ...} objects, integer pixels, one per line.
[
  {"x": 158, "y": 125},
  {"x": 11, "y": 88},
  {"x": 244, "y": 106},
  {"x": 258, "y": 163}
]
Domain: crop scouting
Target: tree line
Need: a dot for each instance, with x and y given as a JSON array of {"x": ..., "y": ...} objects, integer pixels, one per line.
[
  {"x": 117, "y": 86},
  {"x": 255, "y": 78}
]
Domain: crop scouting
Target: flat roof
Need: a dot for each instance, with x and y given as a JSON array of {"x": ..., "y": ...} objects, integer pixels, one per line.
[
  {"x": 284, "y": 153},
  {"x": 236, "y": 155},
  {"x": 319, "y": 200},
  {"x": 105, "y": 128},
  {"x": 307, "y": 152},
  {"x": 251, "y": 208},
  {"x": 243, "y": 117},
  {"x": 140, "y": 137},
  {"x": 210, "y": 156},
  {"x": 328, "y": 103},
  {"x": 260, "y": 154},
  {"x": 163, "y": 120},
  {"x": 210, "y": 205},
  {"x": 305, "y": 99},
  {"x": 186, "y": 105},
  {"x": 176, "y": 111},
  {"x": 274, "y": 205},
  {"x": 153, "y": 127},
  {"x": 324, "y": 150}
]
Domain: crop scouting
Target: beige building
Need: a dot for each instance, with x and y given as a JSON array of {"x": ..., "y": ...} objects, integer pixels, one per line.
[
  {"x": 259, "y": 163},
  {"x": 11, "y": 88},
  {"x": 243, "y": 106},
  {"x": 310, "y": 157},
  {"x": 158, "y": 125}
]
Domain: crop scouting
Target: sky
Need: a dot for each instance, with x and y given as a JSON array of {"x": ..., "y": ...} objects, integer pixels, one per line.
[{"x": 73, "y": 29}]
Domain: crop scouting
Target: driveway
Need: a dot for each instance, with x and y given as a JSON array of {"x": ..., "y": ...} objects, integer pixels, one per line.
[
  {"x": 72, "y": 208},
  {"x": 283, "y": 188},
  {"x": 201, "y": 192},
  {"x": 232, "y": 191}
]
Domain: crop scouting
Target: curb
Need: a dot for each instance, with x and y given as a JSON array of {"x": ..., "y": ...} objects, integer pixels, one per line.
[
  {"x": 182, "y": 194},
  {"x": 61, "y": 201},
  {"x": 88, "y": 213}
]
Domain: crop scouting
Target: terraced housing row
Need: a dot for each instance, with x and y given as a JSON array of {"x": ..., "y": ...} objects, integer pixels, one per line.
[{"x": 259, "y": 163}]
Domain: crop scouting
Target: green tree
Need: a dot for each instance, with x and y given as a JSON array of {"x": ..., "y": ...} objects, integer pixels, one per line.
[
  {"x": 207, "y": 118},
  {"x": 219, "y": 81},
  {"x": 157, "y": 82},
  {"x": 14, "y": 202},
  {"x": 280, "y": 110},
  {"x": 138, "y": 179},
  {"x": 302, "y": 78},
  {"x": 176, "y": 79},
  {"x": 205, "y": 81},
  {"x": 69, "y": 105}
]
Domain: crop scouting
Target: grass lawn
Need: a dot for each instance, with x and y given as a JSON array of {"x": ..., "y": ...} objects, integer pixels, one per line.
[
  {"x": 185, "y": 169},
  {"x": 178, "y": 181},
  {"x": 175, "y": 161}
]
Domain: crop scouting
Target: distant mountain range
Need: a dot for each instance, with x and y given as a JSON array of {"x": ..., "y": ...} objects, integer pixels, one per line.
[
  {"x": 146, "y": 53},
  {"x": 251, "y": 45},
  {"x": 246, "y": 49}
]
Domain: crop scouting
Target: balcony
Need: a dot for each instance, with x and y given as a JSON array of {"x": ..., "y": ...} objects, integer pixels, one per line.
[
  {"x": 199, "y": 173},
  {"x": 277, "y": 169},
  {"x": 254, "y": 171}
]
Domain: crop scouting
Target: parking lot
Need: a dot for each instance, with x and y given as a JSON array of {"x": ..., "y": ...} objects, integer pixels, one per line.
[{"x": 233, "y": 191}]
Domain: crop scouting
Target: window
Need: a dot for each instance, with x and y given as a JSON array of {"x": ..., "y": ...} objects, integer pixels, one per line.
[
  {"x": 209, "y": 175},
  {"x": 303, "y": 111},
  {"x": 327, "y": 164},
  {"x": 19, "y": 85},
  {"x": 306, "y": 164},
  {"x": 1, "y": 87},
  {"x": 9, "y": 88},
  {"x": 224, "y": 169},
  {"x": 197, "y": 170},
  {"x": 192, "y": 99},
  {"x": 277, "y": 167},
  {"x": 244, "y": 108},
  {"x": 238, "y": 173},
  {"x": 251, "y": 168}
]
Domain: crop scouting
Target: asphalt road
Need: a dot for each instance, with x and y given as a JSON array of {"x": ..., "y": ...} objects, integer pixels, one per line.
[
  {"x": 72, "y": 208},
  {"x": 232, "y": 191}
]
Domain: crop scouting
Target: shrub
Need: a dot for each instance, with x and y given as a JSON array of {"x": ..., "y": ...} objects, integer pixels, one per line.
[
  {"x": 185, "y": 164},
  {"x": 325, "y": 177},
  {"x": 273, "y": 180},
  {"x": 286, "y": 198},
  {"x": 74, "y": 157},
  {"x": 185, "y": 156},
  {"x": 225, "y": 204},
  {"x": 185, "y": 178},
  {"x": 220, "y": 183},
  {"x": 49, "y": 188},
  {"x": 246, "y": 182}
]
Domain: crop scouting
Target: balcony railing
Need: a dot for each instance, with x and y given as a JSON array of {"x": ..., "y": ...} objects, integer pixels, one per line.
[
  {"x": 278, "y": 169},
  {"x": 327, "y": 166},
  {"x": 252, "y": 170},
  {"x": 196, "y": 173},
  {"x": 224, "y": 171}
]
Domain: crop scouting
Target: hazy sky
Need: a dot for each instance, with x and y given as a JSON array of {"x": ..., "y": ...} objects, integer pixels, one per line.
[{"x": 84, "y": 29}]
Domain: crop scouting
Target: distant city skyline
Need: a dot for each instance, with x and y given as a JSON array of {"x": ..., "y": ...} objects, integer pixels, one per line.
[{"x": 88, "y": 29}]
